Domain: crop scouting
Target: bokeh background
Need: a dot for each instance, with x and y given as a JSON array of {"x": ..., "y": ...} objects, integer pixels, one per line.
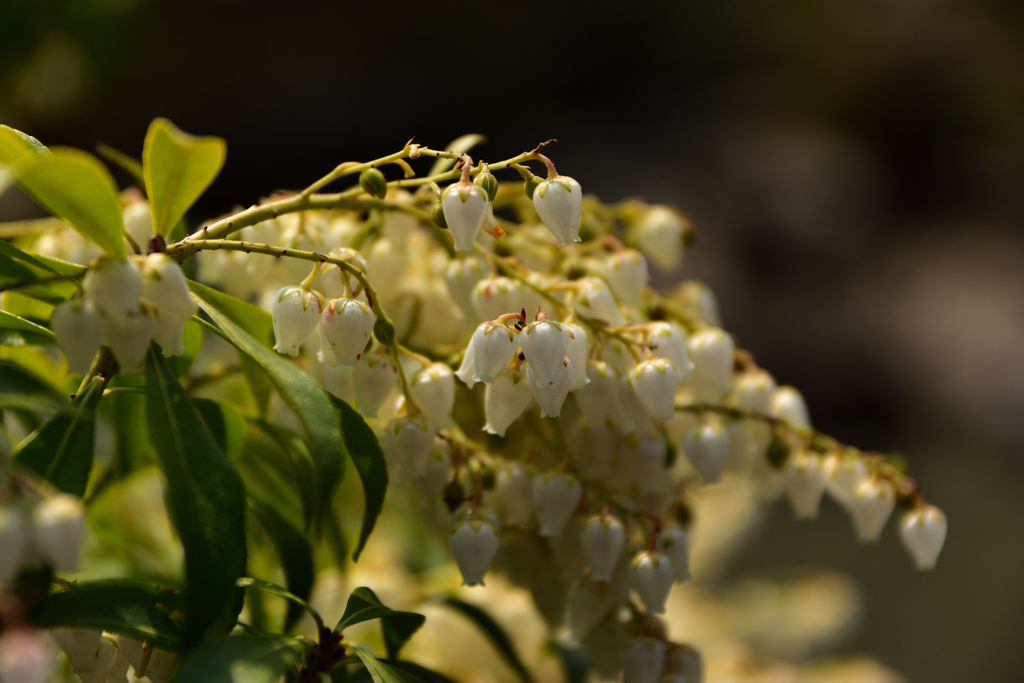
[{"x": 855, "y": 169}]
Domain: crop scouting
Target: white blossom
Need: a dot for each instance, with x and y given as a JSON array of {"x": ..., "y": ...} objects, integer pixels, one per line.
[
  {"x": 707, "y": 448},
  {"x": 433, "y": 391},
  {"x": 505, "y": 399},
  {"x": 711, "y": 352},
  {"x": 57, "y": 531},
  {"x": 555, "y": 497},
  {"x": 593, "y": 299},
  {"x": 559, "y": 202},
  {"x": 654, "y": 382},
  {"x": 79, "y": 330},
  {"x": 603, "y": 539},
  {"x": 347, "y": 325},
  {"x": 871, "y": 508},
  {"x": 787, "y": 403},
  {"x": 544, "y": 343},
  {"x": 550, "y": 395},
  {"x": 659, "y": 234},
  {"x": 373, "y": 378},
  {"x": 923, "y": 532},
  {"x": 296, "y": 313},
  {"x": 474, "y": 542},
  {"x": 667, "y": 341},
  {"x": 627, "y": 274},
  {"x": 806, "y": 480},
  {"x": 674, "y": 543},
  {"x": 465, "y": 208}
]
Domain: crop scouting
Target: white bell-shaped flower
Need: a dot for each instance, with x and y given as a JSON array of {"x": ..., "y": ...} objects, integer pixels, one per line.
[
  {"x": 433, "y": 391},
  {"x": 338, "y": 381},
  {"x": 131, "y": 650},
  {"x": 162, "y": 666},
  {"x": 115, "y": 286},
  {"x": 659, "y": 234},
  {"x": 551, "y": 395},
  {"x": 490, "y": 349},
  {"x": 514, "y": 489},
  {"x": 846, "y": 472},
  {"x": 347, "y": 326},
  {"x": 385, "y": 264},
  {"x": 164, "y": 286},
  {"x": 81, "y": 646},
  {"x": 707, "y": 448},
  {"x": 14, "y": 540},
  {"x": 654, "y": 382},
  {"x": 635, "y": 418},
  {"x": 599, "y": 400},
  {"x": 474, "y": 542},
  {"x": 651, "y": 576},
  {"x": 711, "y": 352},
  {"x": 643, "y": 661},
  {"x": 593, "y": 299},
  {"x": 627, "y": 274},
  {"x": 667, "y": 341},
  {"x": 787, "y": 403},
  {"x": 675, "y": 544},
  {"x": 495, "y": 296},
  {"x": 577, "y": 352},
  {"x": 373, "y": 378},
  {"x": 465, "y": 207},
  {"x": 437, "y": 473},
  {"x": 806, "y": 480},
  {"x": 593, "y": 446},
  {"x": 138, "y": 222},
  {"x": 409, "y": 440},
  {"x": 79, "y": 330},
  {"x": 617, "y": 354},
  {"x": 129, "y": 339},
  {"x": 603, "y": 538},
  {"x": 754, "y": 389},
  {"x": 559, "y": 203},
  {"x": 462, "y": 276},
  {"x": 167, "y": 330},
  {"x": 103, "y": 664},
  {"x": 27, "y": 655},
  {"x": 296, "y": 313},
  {"x": 505, "y": 399},
  {"x": 544, "y": 343},
  {"x": 555, "y": 497},
  {"x": 337, "y": 282},
  {"x": 923, "y": 532},
  {"x": 871, "y": 508},
  {"x": 57, "y": 531}
]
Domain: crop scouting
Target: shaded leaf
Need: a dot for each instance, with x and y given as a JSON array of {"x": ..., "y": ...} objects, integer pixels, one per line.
[
  {"x": 397, "y": 627},
  {"x": 294, "y": 552},
  {"x": 224, "y": 424},
  {"x": 45, "y": 263},
  {"x": 274, "y": 589},
  {"x": 177, "y": 168},
  {"x": 495, "y": 633},
  {"x": 458, "y": 145},
  {"x": 392, "y": 671},
  {"x": 368, "y": 458},
  {"x": 61, "y": 450},
  {"x": 75, "y": 186},
  {"x": 9, "y": 321},
  {"x": 241, "y": 659},
  {"x": 205, "y": 499},
  {"x": 575, "y": 662},
  {"x": 21, "y": 389}
]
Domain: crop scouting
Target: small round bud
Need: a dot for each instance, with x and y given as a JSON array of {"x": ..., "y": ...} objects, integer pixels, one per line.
[
  {"x": 384, "y": 331},
  {"x": 644, "y": 661},
  {"x": 551, "y": 395},
  {"x": 654, "y": 382},
  {"x": 806, "y": 480},
  {"x": 296, "y": 312},
  {"x": 871, "y": 508},
  {"x": 373, "y": 183},
  {"x": 487, "y": 182},
  {"x": 474, "y": 543},
  {"x": 545, "y": 343},
  {"x": 555, "y": 497},
  {"x": 437, "y": 215},
  {"x": 433, "y": 391},
  {"x": 57, "y": 531},
  {"x": 707, "y": 448},
  {"x": 505, "y": 400},
  {"x": 79, "y": 330},
  {"x": 923, "y": 532},
  {"x": 603, "y": 538},
  {"x": 465, "y": 208},
  {"x": 559, "y": 203}
]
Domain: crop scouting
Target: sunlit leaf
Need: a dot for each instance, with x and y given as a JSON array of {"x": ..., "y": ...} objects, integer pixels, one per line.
[
  {"x": 241, "y": 659},
  {"x": 45, "y": 263},
  {"x": 15, "y": 145},
  {"x": 368, "y": 458},
  {"x": 294, "y": 552},
  {"x": 22, "y": 389},
  {"x": 494, "y": 632},
  {"x": 398, "y": 627},
  {"x": 26, "y": 330}
]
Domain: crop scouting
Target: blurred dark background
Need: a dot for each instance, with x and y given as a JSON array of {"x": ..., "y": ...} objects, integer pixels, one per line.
[{"x": 855, "y": 170}]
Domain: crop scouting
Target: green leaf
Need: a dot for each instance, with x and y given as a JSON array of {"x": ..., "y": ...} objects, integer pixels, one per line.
[
  {"x": 46, "y": 263},
  {"x": 35, "y": 275},
  {"x": 205, "y": 499},
  {"x": 458, "y": 145},
  {"x": 368, "y": 458},
  {"x": 178, "y": 168},
  {"x": 398, "y": 627},
  {"x": 575, "y": 662},
  {"x": 241, "y": 659},
  {"x": 21, "y": 389},
  {"x": 61, "y": 450},
  {"x": 16, "y": 331},
  {"x": 299, "y": 391},
  {"x": 224, "y": 424},
  {"x": 274, "y": 589},
  {"x": 15, "y": 145},
  {"x": 75, "y": 186},
  {"x": 116, "y": 606},
  {"x": 393, "y": 671},
  {"x": 493, "y": 631},
  {"x": 293, "y": 550},
  {"x": 121, "y": 160}
]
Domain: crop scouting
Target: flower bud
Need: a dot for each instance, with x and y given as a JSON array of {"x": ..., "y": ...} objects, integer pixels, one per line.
[
  {"x": 806, "y": 480},
  {"x": 296, "y": 313},
  {"x": 138, "y": 222},
  {"x": 603, "y": 539},
  {"x": 494, "y": 296},
  {"x": 433, "y": 391},
  {"x": 643, "y": 661},
  {"x": 711, "y": 351},
  {"x": 490, "y": 349},
  {"x": 707, "y": 448},
  {"x": 409, "y": 440},
  {"x": 14, "y": 542},
  {"x": 659, "y": 234},
  {"x": 578, "y": 352},
  {"x": 616, "y": 353},
  {"x": 787, "y": 403},
  {"x": 651, "y": 577},
  {"x": 654, "y": 382},
  {"x": 544, "y": 343},
  {"x": 555, "y": 497},
  {"x": 57, "y": 531},
  {"x": 845, "y": 475},
  {"x": 675, "y": 544},
  {"x": 754, "y": 389},
  {"x": 593, "y": 300},
  {"x": 164, "y": 286},
  {"x": 26, "y": 656},
  {"x": 474, "y": 542},
  {"x": 335, "y": 281},
  {"x": 667, "y": 341},
  {"x": 486, "y": 181},
  {"x": 462, "y": 276},
  {"x": 551, "y": 395},
  {"x": 627, "y": 274},
  {"x": 505, "y": 399},
  {"x": 373, "y": 378},
  {"x": 514, "y": 489},
  {"x": 599, "y": 400},
  {"x": 115, "y": 286},
  {"x": 437, "y": 215},
  {"x": 105, "y": 665},
  {"x": 81, "y": 646},
  {"x": 871, "y": 508},
  {"x": 373, "y": 183},
  {"x": 79, "y": 330},
  {"x": 465, "y": 208},
  {"x": 559, "y": 203},
  {"x": 347, "y": 325},
  {"x": 923, "y": 532},
  {"x": 129, "y": 339}
]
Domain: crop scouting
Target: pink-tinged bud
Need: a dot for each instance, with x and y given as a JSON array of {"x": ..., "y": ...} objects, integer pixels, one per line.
[
  {"x": 490, "y": 349},
  {"x": 654, "y": 382},
  {"x": 602, "y": 539},
  {"x": 711, "y": 352},
  {"x": 514, "y": 489},
  {"x": 505, "y": 400},
  {"x": 643, "y": 661},
  {"x": 594, "y": 300},
  {"x": 408, "y": 440},
  {"x": 57, "y": 531},
  {"x": 14, "y": 540},
  {"x": 806, "y": 480},
  {"x": 787, "y": 403},
  {"x": 462, "y": 276},
  {"x": 651, "y": 577},
  {"x": 493, "y": 297},
  {"x": 296, "y": 314},
  {"x": 433, "y": 392},
  {"x": 544, "y": 343},
  {"x": 627, "y": 274},
  {"x": 336, "y": 282},
  {"x": 115, "y": 286},
  {"x": 465, "y": 207},
  {"x": 373, "y": 378},
  {"x": 555, "y": 497},
  {"x": 577, "y": 352},
  {"x": 754, "y": 389},
  {"x": 923, "y": 532},
  {"x": 846, "y": 472},
  {"x": 871, "y": 508},
  {"x": 474, "y": 543},
  {"x": 559, "y": 203},
  {"x": 347, "y": 325},
  {"x": 667, "y": 341},
  {"x": 551, "y": 395},
  {"x": 79, "y": 330},
  {"x": 707, "y": 448},
  {"x": 659, "y": 234},
  {"x": 164, "y": 286},
  {"x": 675, "y": 544}
]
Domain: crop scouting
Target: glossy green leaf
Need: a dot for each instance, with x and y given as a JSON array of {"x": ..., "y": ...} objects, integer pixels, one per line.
[
  {"x": 300, "y": 392},
  {"x": 241, "y": 659},
  {"x": 205, "y": 499},
  {"x": 61, "y": 450},
  {"x": 274, "y": 589},
  {"x": 15, "y": 145},
  {"x": 75, "y": 186},
  {"x": 44, "y": 263},
  {"x": 398, "y": 627},
  {"x": 392, "y": 671},
  {"x": 368, "y": 458},
  {"x": 21, "y": 389},
  {"x": 224, "y": 424},
  {"x": 115, "y": 606},
  {"x": 494, "y": 632},
  {"x": 294, "y": 552},
  {"x": 177, "y": 168},
  {"x": 16, "y": 331},
  {"x": 458, "y": 145}
]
